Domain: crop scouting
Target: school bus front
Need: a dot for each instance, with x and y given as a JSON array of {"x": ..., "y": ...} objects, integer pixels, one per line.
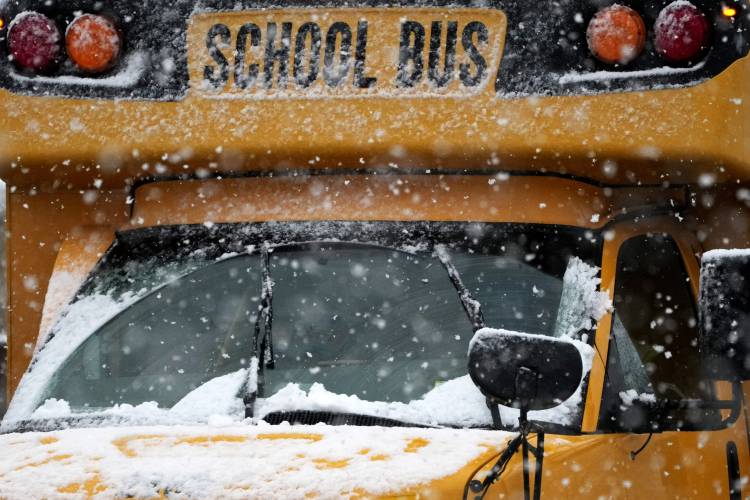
[{"x": 397, "y": 250}]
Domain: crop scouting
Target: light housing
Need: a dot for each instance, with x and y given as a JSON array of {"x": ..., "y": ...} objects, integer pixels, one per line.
[
  {"x": 616, "y": 34},
  {"x": 681, "y": 32},
  {"x": 93, "y": 43},
  {"x": 34, "y": 42}
]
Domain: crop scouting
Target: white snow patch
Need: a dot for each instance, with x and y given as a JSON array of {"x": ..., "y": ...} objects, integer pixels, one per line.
[
  {"x": 723, "y": 253},
  {"x": 631, "y": 395},
  {"x": 52, "y": 408},
  {"x": 60, "y": 290},
  {"x": 455, "y": 402},
  {"x": 582, "y": 305},
  {"x": 215, "y": 400},
  {"x": 129, "y": 75},
  {"x": 218, "y": 396},
  {"x": 241, "y": 461},
  {"x": 600, "y": 76}
]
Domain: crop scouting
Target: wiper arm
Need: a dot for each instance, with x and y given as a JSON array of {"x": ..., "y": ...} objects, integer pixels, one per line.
[
  {"x": 267, "y": 310},
  {"x": 471, "y": 305},
  {"x": 262, "y": 338}
]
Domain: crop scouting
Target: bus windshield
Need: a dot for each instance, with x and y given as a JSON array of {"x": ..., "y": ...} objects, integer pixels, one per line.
[{"x": 350, "y": 323}]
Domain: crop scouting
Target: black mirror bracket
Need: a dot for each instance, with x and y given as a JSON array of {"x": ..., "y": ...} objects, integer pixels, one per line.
[
  {"x": 480, "y": 488},
  {"x": 526, "y": 386}
]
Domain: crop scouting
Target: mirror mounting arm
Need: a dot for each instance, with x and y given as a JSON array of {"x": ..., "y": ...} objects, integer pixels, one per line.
[
  {"x": 526, "y": 389},
  {"x": 480, "y": 488}
]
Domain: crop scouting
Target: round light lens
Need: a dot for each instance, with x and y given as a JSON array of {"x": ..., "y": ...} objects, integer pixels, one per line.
[
  {"x": 93, "y": 43},
  {"x": 616, "y": 35},
  {"x": 681, "y": 32},
  {"x": 34, "y": 41}
]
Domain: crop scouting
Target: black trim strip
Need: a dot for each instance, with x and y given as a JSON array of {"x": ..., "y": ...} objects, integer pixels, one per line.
[{"x": 733, "y": 471}]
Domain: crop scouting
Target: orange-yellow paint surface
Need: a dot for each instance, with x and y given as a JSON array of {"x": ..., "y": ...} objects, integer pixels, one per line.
[
  {"x": 324, "y": 463},
  {"x": 89, "y": 488},
  {"x": 53, "y": 458},
  {"x": 415, "y": 444}
]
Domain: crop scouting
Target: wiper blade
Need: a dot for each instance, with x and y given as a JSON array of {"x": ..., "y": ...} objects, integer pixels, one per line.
[
  {"x": 471, "y": 305},
  {"x": 267, "y": 311},
  {"x": 308, "y": 417},
  {"x": 262, "y": 338}
]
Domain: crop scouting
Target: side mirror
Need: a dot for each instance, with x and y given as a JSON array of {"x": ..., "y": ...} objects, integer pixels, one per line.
[
  {"x": 724, "y": 305},
  {"x": 530, "y": 372}
]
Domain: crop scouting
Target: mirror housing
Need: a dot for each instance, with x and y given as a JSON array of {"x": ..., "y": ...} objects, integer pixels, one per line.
[
  {"x": 520, "y": 370},
  {"x": 724, "y": 311}
]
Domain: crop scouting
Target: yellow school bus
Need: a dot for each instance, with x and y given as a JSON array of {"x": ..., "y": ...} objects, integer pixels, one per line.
[{"x": 376, "y": 249}]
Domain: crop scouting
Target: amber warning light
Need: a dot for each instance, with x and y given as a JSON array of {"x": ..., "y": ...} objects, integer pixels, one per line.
[
  {"x": 616, "y": 35},
  {"x": 93, "y": 43}
]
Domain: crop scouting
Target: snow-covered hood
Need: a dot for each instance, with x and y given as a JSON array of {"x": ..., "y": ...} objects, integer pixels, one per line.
[{"x": 242, "y": 461}]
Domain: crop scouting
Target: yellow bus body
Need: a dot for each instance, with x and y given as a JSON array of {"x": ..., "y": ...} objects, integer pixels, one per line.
[{"x": 78, "y": 170}]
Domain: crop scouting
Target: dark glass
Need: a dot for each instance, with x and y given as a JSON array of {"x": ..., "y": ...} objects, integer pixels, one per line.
[
  {"x": 653, "y": 348},
  {"x": 195, "y": 328},
  {"x": 378, "y": 323}
]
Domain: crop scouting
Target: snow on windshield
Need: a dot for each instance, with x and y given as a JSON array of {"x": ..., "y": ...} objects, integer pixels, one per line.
[
  {"x": 582, "y": 305},
  {"x": 75, "y": 326}
]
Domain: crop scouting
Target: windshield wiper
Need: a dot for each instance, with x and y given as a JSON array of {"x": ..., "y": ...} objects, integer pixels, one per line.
[
  {"x": 309, "y": 417},
  {"x": 471, "y": 305},
  {"x": 262, "y": 337}
]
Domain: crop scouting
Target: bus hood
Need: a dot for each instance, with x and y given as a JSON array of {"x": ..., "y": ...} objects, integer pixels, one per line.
[{"x": 243, "y": 461}]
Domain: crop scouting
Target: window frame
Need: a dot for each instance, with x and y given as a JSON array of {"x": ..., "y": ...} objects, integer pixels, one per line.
[{"x": 689, "y": 248}]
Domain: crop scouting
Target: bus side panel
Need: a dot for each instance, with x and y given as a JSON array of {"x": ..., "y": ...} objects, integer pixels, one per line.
[{"x": 37, "y": 223}]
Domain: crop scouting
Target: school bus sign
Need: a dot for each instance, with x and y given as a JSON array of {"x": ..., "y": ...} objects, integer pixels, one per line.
[{"x": 345, "y": 52}]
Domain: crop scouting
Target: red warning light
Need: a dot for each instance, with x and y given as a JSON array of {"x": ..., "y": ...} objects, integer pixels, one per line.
[
  {"x": 34, "y": 41},
  {"x": 681, "y": 32}
]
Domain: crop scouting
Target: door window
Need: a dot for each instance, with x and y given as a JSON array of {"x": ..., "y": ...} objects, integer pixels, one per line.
[{"x": 653, "y": 350}]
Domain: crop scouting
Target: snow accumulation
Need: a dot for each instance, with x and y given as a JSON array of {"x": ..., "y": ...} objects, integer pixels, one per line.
[
  {"x": 237, "y": 461},
  {"x": 724, "y": 253},
  {"x": 603, "y": 76},
  {"x": 582, "y": 305},
  {"x": 61, "y": 289},
  {"x": 216, "y": 400},
  {"x": 131, "y": 72},
  {"x": 457, "y": 402},
  {"x": 631, "y": 395}
]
